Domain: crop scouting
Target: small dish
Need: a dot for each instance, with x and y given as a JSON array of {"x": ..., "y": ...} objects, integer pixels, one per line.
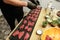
[{"x": 39, "y": 32}]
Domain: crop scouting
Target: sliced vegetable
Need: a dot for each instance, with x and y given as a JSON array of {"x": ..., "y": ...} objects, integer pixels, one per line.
[
  {"x": 44, "y": 24},
  {"x": 49, "y": 20}
]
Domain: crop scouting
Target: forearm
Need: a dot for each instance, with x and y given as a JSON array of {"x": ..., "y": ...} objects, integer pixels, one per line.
[{"x": 16, "y": 2}]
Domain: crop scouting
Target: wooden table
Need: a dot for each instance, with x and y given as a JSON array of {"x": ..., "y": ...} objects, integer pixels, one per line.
[{"x": 38, "y": 25}]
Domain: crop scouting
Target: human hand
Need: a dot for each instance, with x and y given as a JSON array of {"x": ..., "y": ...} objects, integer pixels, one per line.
[
  {"x": 35, "y": 2},
  {"x": 31, "y": 5}
]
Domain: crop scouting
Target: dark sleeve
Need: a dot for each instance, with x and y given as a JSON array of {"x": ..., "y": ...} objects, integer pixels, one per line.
[
  {"x": 35, "y": 2},
  {"x": 38, "y": 3}
]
